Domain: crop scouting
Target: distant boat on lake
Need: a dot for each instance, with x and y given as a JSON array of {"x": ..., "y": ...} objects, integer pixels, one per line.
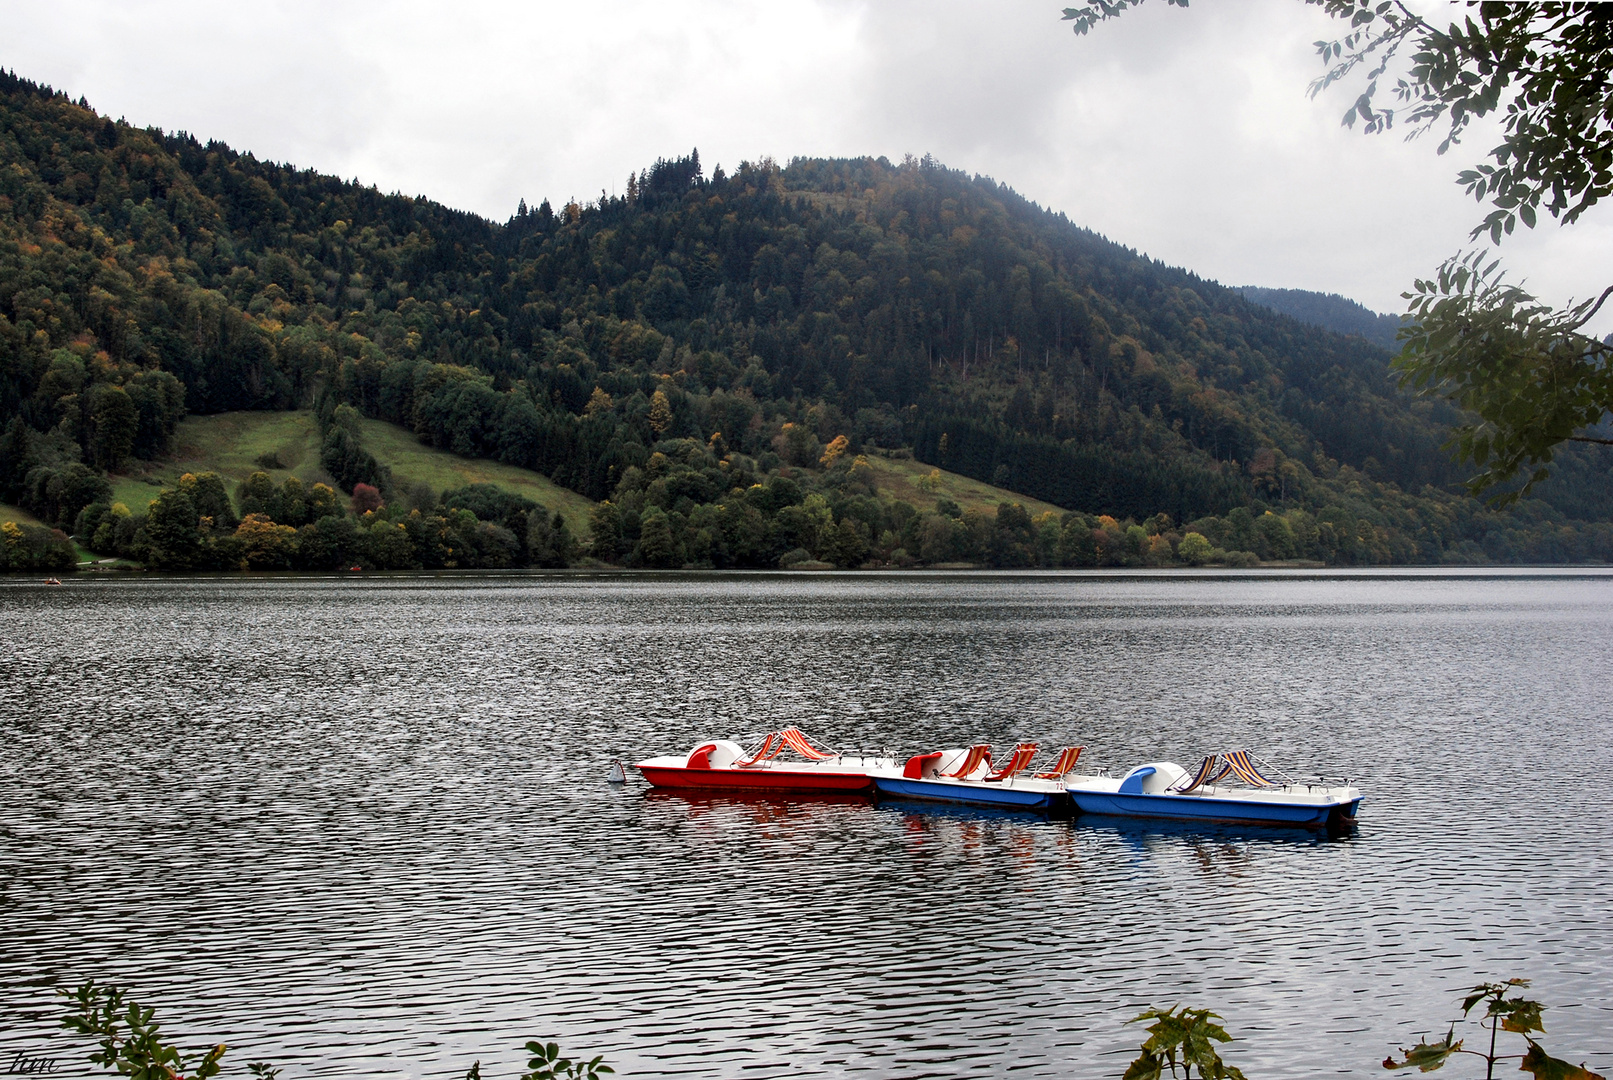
[{"x": 1229, "y": 788}]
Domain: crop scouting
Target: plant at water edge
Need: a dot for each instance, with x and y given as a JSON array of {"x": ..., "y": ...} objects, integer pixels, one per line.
[
  {"x": 547, "y": 1064},
  {"x": 131, "y": 1041},
  {"x": 1501, "y": 1013},
  {"x": 1185, "y": 1037}
]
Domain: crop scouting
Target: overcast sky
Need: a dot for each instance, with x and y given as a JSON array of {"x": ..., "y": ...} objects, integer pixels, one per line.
[{"x": 1184, "y": 134}]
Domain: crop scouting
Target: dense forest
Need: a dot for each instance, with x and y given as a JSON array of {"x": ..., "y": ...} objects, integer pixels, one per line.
[
  {"x": 709, "y": 357},
  {"x": 1329, "y": 311}
]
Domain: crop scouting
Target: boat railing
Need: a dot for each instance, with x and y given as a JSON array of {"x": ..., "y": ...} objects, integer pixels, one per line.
[{"x": 866, "y": 757}]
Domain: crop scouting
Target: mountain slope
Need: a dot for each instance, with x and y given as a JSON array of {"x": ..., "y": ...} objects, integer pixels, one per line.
[
  {"x": 1330, "y": 312},
  {"x": 751, "y": 318}
]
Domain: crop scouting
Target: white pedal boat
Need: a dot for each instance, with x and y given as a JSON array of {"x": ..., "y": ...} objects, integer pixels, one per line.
[{"x": 1163, "y": 789}]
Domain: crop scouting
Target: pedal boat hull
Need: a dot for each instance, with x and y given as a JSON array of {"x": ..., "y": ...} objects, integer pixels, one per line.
[{"x": 1015, "y": 794}]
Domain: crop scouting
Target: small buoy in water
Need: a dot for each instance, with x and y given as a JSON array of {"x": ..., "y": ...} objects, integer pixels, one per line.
[{"x": 618, "y": 774}]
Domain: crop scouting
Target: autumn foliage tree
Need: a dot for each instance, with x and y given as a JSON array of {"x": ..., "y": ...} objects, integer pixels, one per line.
[{"x": 365, "y": 499}]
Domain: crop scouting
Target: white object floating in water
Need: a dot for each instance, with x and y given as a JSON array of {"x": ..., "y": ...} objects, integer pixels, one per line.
[{"x": 618, "y": 774}]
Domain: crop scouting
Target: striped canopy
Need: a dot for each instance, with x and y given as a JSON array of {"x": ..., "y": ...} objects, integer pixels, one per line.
[{"x": 1205, "y": 774}]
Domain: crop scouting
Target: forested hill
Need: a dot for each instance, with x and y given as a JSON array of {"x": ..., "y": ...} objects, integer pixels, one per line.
[
  {"x": 1329, "y": 311},
  {"x": 747, "y": 318}
]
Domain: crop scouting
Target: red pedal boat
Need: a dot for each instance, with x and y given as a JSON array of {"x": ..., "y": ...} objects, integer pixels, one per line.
[{"x": 721, "y": 765}]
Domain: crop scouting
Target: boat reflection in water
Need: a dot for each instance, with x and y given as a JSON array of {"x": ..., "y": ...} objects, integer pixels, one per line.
[{"x": 756, "y": 804}]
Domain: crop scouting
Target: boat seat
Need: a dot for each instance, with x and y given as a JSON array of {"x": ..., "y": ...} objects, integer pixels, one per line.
[
  {"x": 919, "y": 763},
  {"x": 972, "y": 761},
  {"x": 1242, "y": 765},
  {"x": 1203, "y": 775},
  {"x": 717, "y": 754},
  {"x": 1017, "y": 763},
  {"x": 1063, "y": 765}
]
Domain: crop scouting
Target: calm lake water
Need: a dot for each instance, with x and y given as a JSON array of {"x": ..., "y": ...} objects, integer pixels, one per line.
[{"x": 360, "y": 826}]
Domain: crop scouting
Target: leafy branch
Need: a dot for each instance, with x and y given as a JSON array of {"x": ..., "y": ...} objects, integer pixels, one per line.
[
  {"x": 130, "y": 1037},
  {"x": 1091, "y": 14},
  {"x": 547, "y": 1064},
  {"x": 1545, "y": 65},
  {"x": 1532, "y": 379},
  {"x": 1380, "y": 30},
  {"x": 1516, "y": 1014},
  {"x": 1526, "y": 370},
  {"x": 1183, "y": 1037}
]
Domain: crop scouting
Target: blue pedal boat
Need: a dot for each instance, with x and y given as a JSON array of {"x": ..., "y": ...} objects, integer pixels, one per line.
[
  {"x": 1163, "y": 789},
  {"x": 966, "y": 776}
]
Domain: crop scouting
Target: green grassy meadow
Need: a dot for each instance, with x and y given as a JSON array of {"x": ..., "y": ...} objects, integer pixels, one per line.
[
  {"x": 230, "y": 444},
  {"x": 412, "y": 462},
  {"x": 899, "y": 477},
  {"x": 17, "y": 514}
]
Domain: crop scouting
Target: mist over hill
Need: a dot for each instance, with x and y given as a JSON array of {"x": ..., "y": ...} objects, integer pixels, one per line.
[{"x": 702, "y": 333}]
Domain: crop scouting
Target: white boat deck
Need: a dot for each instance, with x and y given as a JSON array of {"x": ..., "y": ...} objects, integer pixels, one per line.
[{"x": 1291, "y": 794}]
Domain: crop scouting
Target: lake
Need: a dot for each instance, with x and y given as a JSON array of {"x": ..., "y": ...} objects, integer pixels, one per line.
[{"x": 360, "y": 826}]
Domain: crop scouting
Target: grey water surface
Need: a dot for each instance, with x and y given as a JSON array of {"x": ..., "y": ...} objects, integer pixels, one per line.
[{"x": 359, "y": 826}]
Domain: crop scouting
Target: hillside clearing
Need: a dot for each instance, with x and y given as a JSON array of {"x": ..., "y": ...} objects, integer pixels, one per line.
[
  {"x": 899, "y": 478},
  {"x": 229, "y": 444},
  {"x": 232, "y": 443},
  {"x": 17, "y": 514},
  {"x": 412, "y": 462}
]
